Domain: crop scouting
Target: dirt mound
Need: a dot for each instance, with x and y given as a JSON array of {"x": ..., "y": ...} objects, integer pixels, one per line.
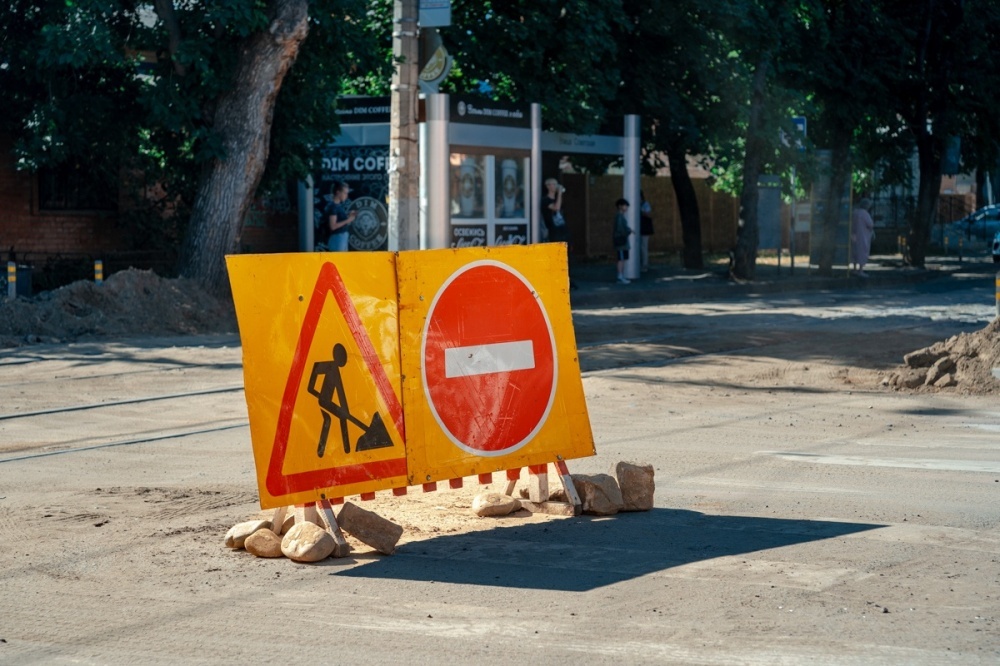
[
  {"x": 962, "y": 363},
  {"x": 129, "y": 303}
]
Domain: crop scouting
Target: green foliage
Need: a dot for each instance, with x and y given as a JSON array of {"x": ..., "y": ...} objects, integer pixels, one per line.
[
  {"x": 113, "y": 84},
  {"x": 348, "y": 51},
  {"x": 65, "y": 87},
  {"x": 108, "y": 82},
  {"x": 559, "y": 53}
]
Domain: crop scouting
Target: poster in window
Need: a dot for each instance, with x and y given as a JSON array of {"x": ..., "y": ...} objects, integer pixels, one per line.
[
  {"x": 365, "y": 170},
  {"x": 511, "y": 234},
  {"x": 468, "y": 235}
]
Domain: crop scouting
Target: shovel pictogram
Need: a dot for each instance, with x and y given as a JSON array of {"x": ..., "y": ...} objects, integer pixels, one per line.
[
  {"x": 375, "y": 435},
  {"x": 333, "y": 402}
]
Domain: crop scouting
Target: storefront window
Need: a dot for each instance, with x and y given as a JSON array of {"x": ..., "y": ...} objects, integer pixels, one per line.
[
  {"x": 509, "y": 178},
  {"x": 468, "y": 191},
  {"x": 488, "y": 197}
]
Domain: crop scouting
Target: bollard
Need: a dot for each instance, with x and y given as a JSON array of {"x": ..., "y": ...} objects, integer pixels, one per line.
[
  {"x": 998, "y": 295},
  {"x": 960, "y": 249},
  {"x": 11, "y": 280},
  {"x": 946, "y": 246},
  {"x": 98, "y": 271}
]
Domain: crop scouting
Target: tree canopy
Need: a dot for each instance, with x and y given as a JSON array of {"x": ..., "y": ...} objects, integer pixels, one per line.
[{"x": 215, "y": 98}]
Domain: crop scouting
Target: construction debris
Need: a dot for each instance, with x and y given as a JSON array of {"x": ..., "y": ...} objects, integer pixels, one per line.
[{"x": 962, "y": 363}]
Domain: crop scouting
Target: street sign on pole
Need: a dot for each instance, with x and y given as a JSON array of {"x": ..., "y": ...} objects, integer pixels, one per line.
[{"x": 435, "y": 13}]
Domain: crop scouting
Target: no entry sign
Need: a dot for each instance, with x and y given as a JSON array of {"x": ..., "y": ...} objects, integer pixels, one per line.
[
  {"x": 491, "y": 379},
  {"x": 489, "y": 366}
]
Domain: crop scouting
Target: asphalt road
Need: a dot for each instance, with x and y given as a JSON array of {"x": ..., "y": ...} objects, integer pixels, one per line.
[{"x": 802, "y": 513}]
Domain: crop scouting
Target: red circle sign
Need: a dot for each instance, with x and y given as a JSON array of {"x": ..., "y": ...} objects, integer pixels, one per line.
[{"x": 489, "y": 359}]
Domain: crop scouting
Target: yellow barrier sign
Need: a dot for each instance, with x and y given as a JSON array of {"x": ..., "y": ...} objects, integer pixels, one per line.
[
  {"x": 321, "y": 373},
  {"x": 489, "y": 355},
  {"x": 472, "y": 349}
]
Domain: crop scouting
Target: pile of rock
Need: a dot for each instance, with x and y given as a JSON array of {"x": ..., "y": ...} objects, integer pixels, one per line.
[
  {"x": 627, "y": 487},
  {"x": 306, "y": 541},
  {"x": 964, "y": 362},
  {"x": 926, "y": 367}
]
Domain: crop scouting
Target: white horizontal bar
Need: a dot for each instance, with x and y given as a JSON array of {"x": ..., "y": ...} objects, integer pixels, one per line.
[{"x": 488, "y": 359}]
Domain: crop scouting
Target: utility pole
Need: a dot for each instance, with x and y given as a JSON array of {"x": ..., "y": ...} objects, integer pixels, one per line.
[{"x": 404, "y": 163}]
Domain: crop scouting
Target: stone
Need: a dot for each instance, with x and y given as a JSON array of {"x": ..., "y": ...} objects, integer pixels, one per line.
[
  {"x": 941, "y": 367},
  {"x": 637, "y": 485},
  {"x": 599, "y": 494},
  {"x": 239, "y": 532},
  {"x": 494, "y": 504},
  {"x": 923, "y": 358},
  {"x": 307, "y": 542},
  {"x": 911, "y": 378},
  {"x": 946, "y": 380},
  {"x": 944, "y": 364},
  {"x": 551, "y": 508},
  {"x": 369, "y": 528},
  {"x": 263, "y": 543}
]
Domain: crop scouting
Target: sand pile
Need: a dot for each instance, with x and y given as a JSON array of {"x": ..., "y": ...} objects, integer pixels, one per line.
[
  {"x": 129, "y": 303},
  {"x": 962, "y": 363}
]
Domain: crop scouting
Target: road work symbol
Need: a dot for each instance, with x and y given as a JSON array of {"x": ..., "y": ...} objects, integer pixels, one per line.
[
  {"x": 333, "y": 403},
  {"x": 336, "y": 426}
]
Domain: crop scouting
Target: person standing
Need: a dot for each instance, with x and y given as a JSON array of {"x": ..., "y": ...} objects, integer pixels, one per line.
[
  {"x": 556, "y": 228},
  {"x": 619, "y": 238},
  {"x": 645, "y": 230},
  {"x": 862, "y": 232},
  {"x": 337, "y": 220},
  {"x": 552, "y": 216}
]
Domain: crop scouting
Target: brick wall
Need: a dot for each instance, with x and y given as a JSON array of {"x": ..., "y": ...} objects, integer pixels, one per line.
[{"x": 30, "y": 232}]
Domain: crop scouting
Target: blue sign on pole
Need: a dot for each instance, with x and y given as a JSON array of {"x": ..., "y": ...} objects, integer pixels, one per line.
[{"x": 435, "y": 13}]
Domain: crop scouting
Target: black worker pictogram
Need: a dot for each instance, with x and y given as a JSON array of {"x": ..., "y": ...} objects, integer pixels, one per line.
[{"x": 333, "y": 403}]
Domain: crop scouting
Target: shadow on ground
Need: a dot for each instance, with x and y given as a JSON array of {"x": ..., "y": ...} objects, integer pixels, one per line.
[{"x": 580, "y": 554}]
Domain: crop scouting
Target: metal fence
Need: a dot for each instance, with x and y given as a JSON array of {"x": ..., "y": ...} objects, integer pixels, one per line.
[{"x": 894, "y": 214}]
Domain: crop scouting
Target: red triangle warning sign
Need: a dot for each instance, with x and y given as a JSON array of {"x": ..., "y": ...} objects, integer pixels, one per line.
[{"x": 340, "y": 422}]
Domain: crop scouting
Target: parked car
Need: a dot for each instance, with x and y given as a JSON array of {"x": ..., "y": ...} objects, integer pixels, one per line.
[
  {"x": 996, "y": 248},
  {"x": 983, "y": 224}
]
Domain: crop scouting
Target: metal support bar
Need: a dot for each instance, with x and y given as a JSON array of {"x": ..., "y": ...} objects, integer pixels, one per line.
[{"x": 631, "y": 193}]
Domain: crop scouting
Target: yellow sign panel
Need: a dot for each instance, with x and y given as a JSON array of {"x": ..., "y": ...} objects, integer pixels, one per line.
[
  {"x": 489, "y": 356},
  {"x": 321, "y": 373}
]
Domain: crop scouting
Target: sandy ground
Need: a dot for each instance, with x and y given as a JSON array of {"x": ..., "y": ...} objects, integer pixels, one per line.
[{"x": 805, "y": 510}]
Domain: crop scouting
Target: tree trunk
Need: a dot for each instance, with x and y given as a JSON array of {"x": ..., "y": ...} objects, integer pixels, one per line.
[
  {"x": 687, "y": 204},
  {"x": 242, "y": 121},
  {"x": 929, "y": 192},
  {"x": 744, "y": 263},
  {"x": 840, "y": 176}
]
